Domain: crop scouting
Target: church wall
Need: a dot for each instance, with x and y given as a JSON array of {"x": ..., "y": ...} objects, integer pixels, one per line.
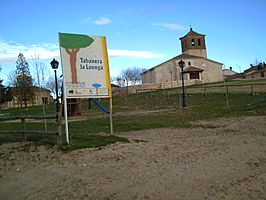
[
  {"x": 148, "y": 76},
  {"x": 169, "y": 75},
  {"x": 212, "y": 71},
  {"x": 196, "y": 52}
]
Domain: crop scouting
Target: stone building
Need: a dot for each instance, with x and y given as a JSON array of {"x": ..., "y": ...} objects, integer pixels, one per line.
[{"x": 198, "y": 68}]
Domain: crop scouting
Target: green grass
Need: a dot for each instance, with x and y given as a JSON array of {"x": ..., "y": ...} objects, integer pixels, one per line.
[
  {"x": 33, "y": 110},
  {"x": 200, "y": 107},
  {"x": 85, "y": 133}
]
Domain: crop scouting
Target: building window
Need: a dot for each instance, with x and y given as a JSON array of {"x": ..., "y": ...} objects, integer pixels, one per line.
[
  {"x": 199, "y": 42},
  {"x": 262, "y": 74},
  {"x": 193, "y": 42},
  {"x": 189, "y": 63},
  {"x": 194, "y": 75},
  {"x": 44, "y": 100}
]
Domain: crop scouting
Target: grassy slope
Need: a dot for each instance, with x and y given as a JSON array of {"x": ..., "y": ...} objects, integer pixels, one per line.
[{"x": 200, "y": 107}]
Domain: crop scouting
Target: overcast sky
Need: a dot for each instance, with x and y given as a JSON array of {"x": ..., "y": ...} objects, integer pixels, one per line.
[{"x": 140, "y": 33}]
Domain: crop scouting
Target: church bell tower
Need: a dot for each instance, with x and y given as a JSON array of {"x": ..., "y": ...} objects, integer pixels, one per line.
[{"x": 193, "y": 43}]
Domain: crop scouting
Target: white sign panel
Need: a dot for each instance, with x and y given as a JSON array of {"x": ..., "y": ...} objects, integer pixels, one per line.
[{"x": 85, "y": 66}]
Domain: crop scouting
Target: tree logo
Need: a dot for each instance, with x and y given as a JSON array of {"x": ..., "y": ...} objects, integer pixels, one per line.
[{"x": 72, "y": 44}]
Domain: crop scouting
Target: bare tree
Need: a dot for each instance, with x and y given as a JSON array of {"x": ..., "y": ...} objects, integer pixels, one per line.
[
  {"x": 39, "y": 71},
  {"x": 40, "y": 81},
  {"x": 50, "y": 84},
  {"x": 11, "y": 78},
  {"x": 131, "y": 75},
  {"x": 120, "y": 81}
]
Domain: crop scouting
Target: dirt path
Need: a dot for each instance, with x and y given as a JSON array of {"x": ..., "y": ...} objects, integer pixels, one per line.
[{"x": 226, "y": 162}]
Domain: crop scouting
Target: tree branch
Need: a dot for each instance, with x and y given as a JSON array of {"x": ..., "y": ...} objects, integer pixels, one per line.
[
  {"x": 68, "y": 51},
  {"x": 76, "y": 50}
]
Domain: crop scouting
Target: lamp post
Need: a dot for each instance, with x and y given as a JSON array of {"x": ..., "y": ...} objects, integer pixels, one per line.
[
  {"x": 181, "y": 64},
  {"x": 54, "y": 63}
]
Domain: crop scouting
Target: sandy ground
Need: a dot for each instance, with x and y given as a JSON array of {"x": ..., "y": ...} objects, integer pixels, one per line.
[{"x": 227, "y": 161}]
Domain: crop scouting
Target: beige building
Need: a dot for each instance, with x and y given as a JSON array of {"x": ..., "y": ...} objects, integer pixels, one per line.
[
  {"x": 254, "y": 72},
  {"x": 228, "y": 72},
  {"x": 40, "y": 96},
  {"x": 198, "y": 68}
]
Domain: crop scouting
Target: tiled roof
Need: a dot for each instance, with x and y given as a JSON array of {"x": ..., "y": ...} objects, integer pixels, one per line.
[
  {"x": 235, "y": 76},
  {"x": 193, "y": 69},
  {"x": 181, "y": 56},
  {"x": 192, "y": 33}
]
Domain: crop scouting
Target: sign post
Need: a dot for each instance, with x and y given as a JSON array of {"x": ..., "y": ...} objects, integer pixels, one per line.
[{"x": 85, "y": 69}]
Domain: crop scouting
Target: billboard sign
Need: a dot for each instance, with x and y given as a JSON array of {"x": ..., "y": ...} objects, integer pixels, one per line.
[{"x": 85, "y": 66}]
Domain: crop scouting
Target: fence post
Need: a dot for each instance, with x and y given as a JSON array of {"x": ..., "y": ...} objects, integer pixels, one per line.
[
  {"x": 205, "y": 91},
  {"x": 226, "y": 96},
  {"x": 180, "y": 100},
  {"x": 252, "y": 91},
  {"x": 24, "y": 128},
  {"x": 59, "y": 128}
]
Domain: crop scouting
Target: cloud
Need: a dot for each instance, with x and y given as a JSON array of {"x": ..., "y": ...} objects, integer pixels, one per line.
[
  {"x": 102, "y": 21},
  {"x": 9, "y": 52},
  {"x": 171, "y": 26}
]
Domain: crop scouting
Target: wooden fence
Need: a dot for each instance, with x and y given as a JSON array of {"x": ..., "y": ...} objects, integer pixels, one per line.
[
  {"x": 24, "y": 130},
  {"x": 225, "y": 88}
]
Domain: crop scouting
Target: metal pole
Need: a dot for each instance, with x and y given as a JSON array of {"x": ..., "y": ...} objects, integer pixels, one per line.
[
  {"x": 183, "y": 88},
  {"x": 56, "y": 91},
  {"x": 111, "y": 115},
  {"x": 0, "y": 98}
]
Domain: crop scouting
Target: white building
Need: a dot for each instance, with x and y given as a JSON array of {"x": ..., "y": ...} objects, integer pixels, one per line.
[{"x": 198, "y": 68}]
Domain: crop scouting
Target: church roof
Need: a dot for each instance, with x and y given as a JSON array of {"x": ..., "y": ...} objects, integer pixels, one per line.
[
  {"x": 192, "y": 33},
  {"x": 182, "y": 56},
  {"x": 192, "y": 56},
  {"x": 193, "y": 69}
]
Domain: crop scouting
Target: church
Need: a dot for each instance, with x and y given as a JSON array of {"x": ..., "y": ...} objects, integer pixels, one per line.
[{"x": 198, "y": 68}]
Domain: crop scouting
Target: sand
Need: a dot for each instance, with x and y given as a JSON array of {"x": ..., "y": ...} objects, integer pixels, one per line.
[{"x": 225, "y": 161}]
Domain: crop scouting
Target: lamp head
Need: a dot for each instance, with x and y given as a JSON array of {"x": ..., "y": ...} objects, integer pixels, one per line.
[
  {"x": 54, "y": 63},
  {"x": 181, "y": 64}
]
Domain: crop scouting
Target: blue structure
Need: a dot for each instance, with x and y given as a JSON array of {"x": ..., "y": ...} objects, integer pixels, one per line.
[{"x": 100, "y": 105}]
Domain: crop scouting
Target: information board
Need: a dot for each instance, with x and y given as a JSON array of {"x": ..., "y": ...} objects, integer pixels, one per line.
[{"x": 85, "y": 66}]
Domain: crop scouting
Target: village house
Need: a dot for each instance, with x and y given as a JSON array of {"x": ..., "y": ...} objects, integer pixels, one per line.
[
  {"x": 198, "y": 68},
  {"x": 228, "y": 72},
  {"x": 254, "y": 72},
  {"x": 40, "y": 96}
]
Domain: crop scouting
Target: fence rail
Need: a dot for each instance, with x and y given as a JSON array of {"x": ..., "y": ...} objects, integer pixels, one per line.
[
  {"x": 235, "y": 88},
  {"x": 9, "y": 118},
  {"x": 24, "y": 131}
]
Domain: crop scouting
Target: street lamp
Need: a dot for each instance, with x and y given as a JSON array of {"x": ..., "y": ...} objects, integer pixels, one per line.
[
  {"x": 181, "y": 64},
  {"x": 54, "y": 63}
]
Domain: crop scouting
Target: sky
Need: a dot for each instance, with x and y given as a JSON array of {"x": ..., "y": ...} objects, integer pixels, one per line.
[{"x": 140, "y": 33}]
